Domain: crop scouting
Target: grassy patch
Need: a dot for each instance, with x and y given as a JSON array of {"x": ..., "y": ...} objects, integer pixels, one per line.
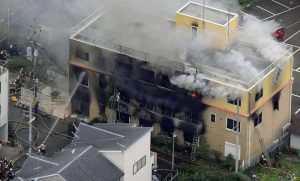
[
  {"x": 289, "y": 164},
  {"x": 17, "y": 62}
]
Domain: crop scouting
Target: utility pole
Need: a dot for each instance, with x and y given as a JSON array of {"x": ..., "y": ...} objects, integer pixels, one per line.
[
  {"x": 33, "y": 56},
  {"x": 203, "y": 14},
  {"x": 237, "y": 136},
  {"x": 173, "y": 146},
  {"x": 8, "y": 26},
  {"x": 32, "y": 36}
]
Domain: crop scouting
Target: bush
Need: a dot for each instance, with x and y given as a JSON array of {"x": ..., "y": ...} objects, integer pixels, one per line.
[
  {"x": 235, "y": 177},
  {"x": 16, "y": 63},
  {"x": 243, "y": 2},
  {"x": 216, "y": 155},
  {"x": 203, "y": 151},
  {"x": 162, "y": 141},
  {"x": 228, "y": 162},
  {"x": 211, "y": 176}
]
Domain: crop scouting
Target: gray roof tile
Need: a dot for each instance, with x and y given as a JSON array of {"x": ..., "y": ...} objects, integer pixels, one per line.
[
  {"x": 109, "y": 137},
  {"x": 84, "y": 163}
]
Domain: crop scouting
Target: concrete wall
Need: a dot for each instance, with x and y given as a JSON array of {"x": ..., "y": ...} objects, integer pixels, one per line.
[
  {"x": 270, "y": 129},
  {"x": 272, "y": 124},
  {"x": 218, "y": 34},
  {"x": 125, "y": 160},
  {"x": 3, "y": 104},
  {"x": 295, "y": 141},
  {"x": 117, "y": 158},
  {"x": 217, "y": 133},
  {"x": 135, "y": 153}
]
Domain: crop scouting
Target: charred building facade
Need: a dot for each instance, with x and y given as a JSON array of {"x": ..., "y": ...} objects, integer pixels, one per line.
[{"x": 218, "y": 89}]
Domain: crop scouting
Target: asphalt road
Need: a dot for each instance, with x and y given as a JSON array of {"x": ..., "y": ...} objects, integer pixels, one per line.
[
  {"x": 60, "y": 137},
  {"x": 289, "y": 14}
]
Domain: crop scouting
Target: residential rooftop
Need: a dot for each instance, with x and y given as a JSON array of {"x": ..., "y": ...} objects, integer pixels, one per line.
[
  {"x": 108, "y": 137},
  {"x": 100, "y": 29},
  {"x": 82, "y": 163}
]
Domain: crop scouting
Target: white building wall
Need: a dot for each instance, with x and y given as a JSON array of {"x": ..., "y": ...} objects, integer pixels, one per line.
[
  {"x": 117, "y": 158},
  {"x": 295, "y": 142},
  {"x": 135, "y": 153},
  {"x": 3, "y": 104}
]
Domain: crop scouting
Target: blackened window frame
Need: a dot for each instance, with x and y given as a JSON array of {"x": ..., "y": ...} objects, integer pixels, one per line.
[
  {"x": 85, "y": 79},
  {"x": 123, "y": 68},
  {"x": 236, "y": 101},
  {"x": 213, "y": 117},
  {"x": 259, "y": 94},
  {"x": 82, "y": 55},
  {"x": 147, "y": 76},
  {"x": 258, "y": 120}
]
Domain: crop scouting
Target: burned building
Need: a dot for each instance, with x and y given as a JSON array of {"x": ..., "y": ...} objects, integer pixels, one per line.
[{"x": 188, "y": 71}]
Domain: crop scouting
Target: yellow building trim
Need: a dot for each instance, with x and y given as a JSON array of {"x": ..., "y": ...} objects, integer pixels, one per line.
[{"x": 256, "y": 107}]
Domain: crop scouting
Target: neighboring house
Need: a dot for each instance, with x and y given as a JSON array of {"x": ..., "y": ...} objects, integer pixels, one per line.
[
  {"x": 3, "y": 104},
  {"x": 126, "y": 146},
  {"x": 138, "y": 81},
  {"x": 295, "y": 134},
  {"x": 103, "y": 152},
  {"x": 83, "y": 163}
]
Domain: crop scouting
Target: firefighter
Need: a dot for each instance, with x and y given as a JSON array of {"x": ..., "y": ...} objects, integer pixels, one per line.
[
  {"x": 10, "y": 174},
  {"x": 35, "y": 105},
  {"x": 42, "y": 149},
  {"x": 264, "y": 160}
]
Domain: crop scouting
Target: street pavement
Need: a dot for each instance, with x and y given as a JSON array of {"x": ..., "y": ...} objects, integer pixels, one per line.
[{"x": 60, "y": 137}]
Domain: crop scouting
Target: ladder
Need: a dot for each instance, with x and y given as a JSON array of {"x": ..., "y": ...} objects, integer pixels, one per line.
[
  {"x": 194, "y": 146},
  {"x": 262, "y": 144}
]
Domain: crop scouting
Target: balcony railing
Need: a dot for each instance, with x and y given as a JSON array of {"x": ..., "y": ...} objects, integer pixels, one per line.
[{"x": 125, "y": 107}]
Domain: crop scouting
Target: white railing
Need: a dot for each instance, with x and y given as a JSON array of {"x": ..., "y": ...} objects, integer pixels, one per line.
[{"x": 177, "y": 66}]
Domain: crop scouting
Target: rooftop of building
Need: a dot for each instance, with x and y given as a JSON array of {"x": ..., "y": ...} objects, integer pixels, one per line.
[
  {"x": 146, "y": 35},
  {"x": 108, "y": 137},
  {"x": 71, "y": 164},
  {"x": 206, "y": 13}
]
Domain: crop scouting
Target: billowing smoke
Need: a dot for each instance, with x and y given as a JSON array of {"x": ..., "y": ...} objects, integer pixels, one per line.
[
  {"x": 259, "y": 33},
  {"x": 158, "y": 36},
  {"x": 131, "y": 24}
]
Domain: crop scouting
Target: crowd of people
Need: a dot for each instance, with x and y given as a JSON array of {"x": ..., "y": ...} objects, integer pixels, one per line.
[{"x": 6, "y": 169}]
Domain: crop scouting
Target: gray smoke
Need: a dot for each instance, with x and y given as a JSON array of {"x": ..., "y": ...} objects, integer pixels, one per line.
[{"x": 146, "y": 26}]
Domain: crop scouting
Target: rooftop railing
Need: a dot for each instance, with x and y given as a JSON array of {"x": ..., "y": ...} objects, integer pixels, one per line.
[
  {"x": 177, "y": 66},
  {"x": 166, "y": 63}
]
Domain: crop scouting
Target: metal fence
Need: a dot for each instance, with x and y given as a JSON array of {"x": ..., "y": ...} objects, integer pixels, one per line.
[{"x": 254, "y": 160}]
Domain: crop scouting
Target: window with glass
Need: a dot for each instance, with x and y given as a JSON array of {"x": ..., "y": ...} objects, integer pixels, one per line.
[
  {"x": 139, "y": 164},
  {"x": 82, "y": 55},
  {"x": 212, "y": 118},
  {"x": 233, "y": 125}
]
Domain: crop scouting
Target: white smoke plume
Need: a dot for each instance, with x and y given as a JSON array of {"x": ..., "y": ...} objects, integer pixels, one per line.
[
  {"x": 158, "y": 37},
  {"x": 259, "y": 33}
]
